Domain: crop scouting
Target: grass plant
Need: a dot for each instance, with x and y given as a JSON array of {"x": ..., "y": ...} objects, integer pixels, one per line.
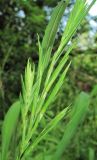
[{"x": 40, "y": 86}]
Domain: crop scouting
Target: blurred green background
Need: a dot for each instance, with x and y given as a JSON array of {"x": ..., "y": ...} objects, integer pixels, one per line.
[{"x": 20, "y": 21}]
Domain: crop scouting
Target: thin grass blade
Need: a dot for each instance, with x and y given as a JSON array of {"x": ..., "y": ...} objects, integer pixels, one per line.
[{"x": 46, "y": 130}]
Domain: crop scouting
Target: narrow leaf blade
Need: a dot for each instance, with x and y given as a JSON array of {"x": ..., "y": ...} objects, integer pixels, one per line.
[
  {"x": 80, "y": 108},
  {"x": 9, "y": 126},
  {"x": 46, "y": 130},
  {"x": 52, "y": 28}
]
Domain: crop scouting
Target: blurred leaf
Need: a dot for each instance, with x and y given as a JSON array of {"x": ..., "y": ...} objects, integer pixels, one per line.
[
  {"x": 94, "y": 91},
  {"x": 9, "y": 126},
  {"x": 79, "y": 110},
  {"x": 91, "y": 154}
]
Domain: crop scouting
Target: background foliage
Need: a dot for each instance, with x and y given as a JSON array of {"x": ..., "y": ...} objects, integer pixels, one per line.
[{"x": 20, "y": 21}]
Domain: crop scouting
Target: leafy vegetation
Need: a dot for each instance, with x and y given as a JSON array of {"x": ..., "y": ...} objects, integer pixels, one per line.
[{"x": 40, "y": 86}]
